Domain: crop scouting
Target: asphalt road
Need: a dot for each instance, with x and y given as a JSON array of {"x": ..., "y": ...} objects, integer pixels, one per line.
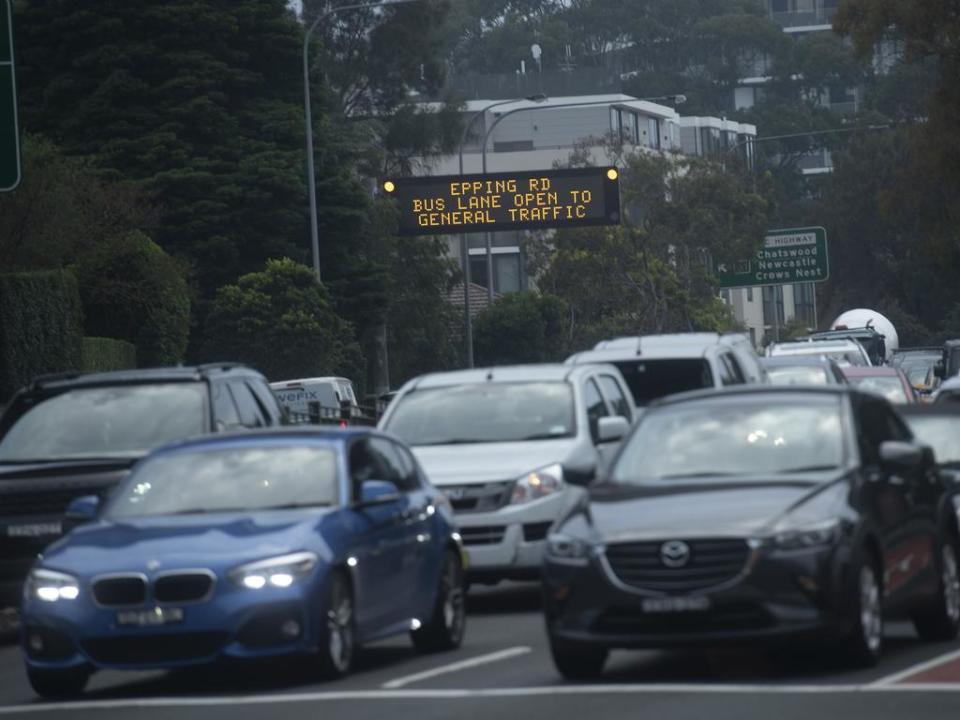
[{"x": 504, "y": 671}]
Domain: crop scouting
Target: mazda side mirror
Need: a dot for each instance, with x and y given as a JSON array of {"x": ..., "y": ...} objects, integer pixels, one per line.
[
  {"x": 901, "y": 456},
  {"x": 83, "y": 509}
]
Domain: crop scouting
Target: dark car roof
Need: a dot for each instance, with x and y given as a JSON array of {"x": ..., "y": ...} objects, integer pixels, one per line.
[
  {"x": 920, "y": 409},
  {"x": 310, "y": 433},
  {"x": 720, "y": 394},
  {"x": 143, "y": 375}
]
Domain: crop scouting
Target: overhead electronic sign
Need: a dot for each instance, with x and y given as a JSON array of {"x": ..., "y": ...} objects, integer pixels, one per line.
[{"x": 526, "y": 200}]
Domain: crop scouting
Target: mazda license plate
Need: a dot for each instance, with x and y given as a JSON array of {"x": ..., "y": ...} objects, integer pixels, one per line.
[
  {"x": 676, "y": 604},
  {"x": 156, "y": 616}
]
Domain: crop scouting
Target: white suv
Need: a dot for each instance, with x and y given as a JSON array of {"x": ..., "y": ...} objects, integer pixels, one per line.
[
  {"x": 658, "y": 365},
  {"x": 844, "y": 352}
]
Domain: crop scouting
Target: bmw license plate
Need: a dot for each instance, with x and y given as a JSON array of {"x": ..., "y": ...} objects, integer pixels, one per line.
[
  {"x": 676, "y": 604},
  {"x": 156, "y": 616},
  {"x": 33, "y": 530}
]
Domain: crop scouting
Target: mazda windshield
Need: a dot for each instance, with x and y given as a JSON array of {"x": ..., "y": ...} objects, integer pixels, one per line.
[
  {"x": 740, "y": 437},
  {"x": 229, "y": 480},
  {"x": 485, "y": 413}
]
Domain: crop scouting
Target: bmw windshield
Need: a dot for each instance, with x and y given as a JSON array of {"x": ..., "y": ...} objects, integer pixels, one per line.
[
  {"x": 228, "y": 480},
  {"x": 739, "y": 437}
]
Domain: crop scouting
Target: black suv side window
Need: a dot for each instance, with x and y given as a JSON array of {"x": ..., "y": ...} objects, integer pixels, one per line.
[
  {"x": 250, "y": 414},
  {"x": 225, "y": 414}
]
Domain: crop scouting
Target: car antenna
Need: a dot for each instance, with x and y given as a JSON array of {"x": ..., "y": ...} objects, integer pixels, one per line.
[{"x": 489, "y": 375}]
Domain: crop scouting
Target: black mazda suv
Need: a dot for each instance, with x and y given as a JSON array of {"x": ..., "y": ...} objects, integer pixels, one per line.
[{"x": 755, "y": 515}]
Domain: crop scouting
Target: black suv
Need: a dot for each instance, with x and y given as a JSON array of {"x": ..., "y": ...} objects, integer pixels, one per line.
[{"x": 69, "y": 435}]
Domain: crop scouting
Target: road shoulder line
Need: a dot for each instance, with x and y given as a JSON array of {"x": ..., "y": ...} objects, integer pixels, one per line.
[
  {"x": 921, "y": 667},
  {"x": 457, "y": 666}
]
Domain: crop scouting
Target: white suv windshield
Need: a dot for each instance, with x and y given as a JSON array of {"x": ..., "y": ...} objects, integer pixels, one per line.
[{"x": 485, "y": 413}]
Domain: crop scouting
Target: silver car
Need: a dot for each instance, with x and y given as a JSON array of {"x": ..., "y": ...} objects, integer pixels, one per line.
[{"x": 506, "y": 444}]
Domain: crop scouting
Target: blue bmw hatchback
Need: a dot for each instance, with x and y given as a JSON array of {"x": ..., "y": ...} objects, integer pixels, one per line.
[{"x": 258, "y": 545}]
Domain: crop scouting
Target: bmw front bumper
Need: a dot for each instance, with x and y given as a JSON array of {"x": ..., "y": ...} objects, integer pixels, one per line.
[{"x": 235, "y": 623}]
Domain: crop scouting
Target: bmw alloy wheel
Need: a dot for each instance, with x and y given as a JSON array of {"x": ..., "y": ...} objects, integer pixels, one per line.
[
  {"x": 951, "y": 583},
  {"x": 340, "y": 639},
  {"x": 871, "y": 619}
]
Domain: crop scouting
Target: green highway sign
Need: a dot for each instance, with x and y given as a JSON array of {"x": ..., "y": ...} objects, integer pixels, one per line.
[
  {"x": 790, "y": 256},
  {"x": 9, "y": 127}
]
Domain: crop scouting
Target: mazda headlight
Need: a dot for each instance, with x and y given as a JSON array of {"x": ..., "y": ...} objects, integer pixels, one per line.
[
  {"x": 567, "y": 549},
  {"x": 811, "y": 535},
  {"x": 51, "y": 586},
  {"x": 279, "y": 572},
  {"x": 538, "y": 484}
]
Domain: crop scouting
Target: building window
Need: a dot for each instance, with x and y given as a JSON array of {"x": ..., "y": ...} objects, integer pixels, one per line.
[
  {"x": 749, "y": 294},
  {"x": 508, "y": 273},
  {"x": 653, "y": 133},
  {"x": 804, "y": 303},
  {"x": 773, "y": 310}
]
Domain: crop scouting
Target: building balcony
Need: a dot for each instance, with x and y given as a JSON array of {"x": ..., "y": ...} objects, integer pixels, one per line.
[{"x": 819, "y": 18}]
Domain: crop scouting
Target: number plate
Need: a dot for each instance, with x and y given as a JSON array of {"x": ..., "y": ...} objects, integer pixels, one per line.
[
  {"x": 157, "y": 616},
  {"x": 35, "y": 530},
  {"x": 676, "y": 604}
]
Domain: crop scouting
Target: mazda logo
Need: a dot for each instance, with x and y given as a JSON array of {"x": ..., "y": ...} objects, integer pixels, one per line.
[{"x": 675, "y": 554}]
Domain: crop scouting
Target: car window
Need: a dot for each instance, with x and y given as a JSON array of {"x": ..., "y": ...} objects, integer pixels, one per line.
[
  {"x": 410, "y": 477},
  {"x": 618, "y": 401},
  {"x": 266, "y": 400},
  {"x": 367, "y": 461},
  {"x": 878, "y": 424},
  {"x": 225, "y": 412},
  {"x": 596, "y": 408},
  {"x": 735, "y": 370},
  {"x": 251, "y": 415}
]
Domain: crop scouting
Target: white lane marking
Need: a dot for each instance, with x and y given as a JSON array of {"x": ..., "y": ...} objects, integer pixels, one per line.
[
  {"x": 918, "y": 668},
  {"x": 361, "y": 695},
  {"x": 458, "y": 666}
]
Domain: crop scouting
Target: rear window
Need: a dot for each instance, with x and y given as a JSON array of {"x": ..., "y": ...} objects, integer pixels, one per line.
[{"x": 650, "y": 380}]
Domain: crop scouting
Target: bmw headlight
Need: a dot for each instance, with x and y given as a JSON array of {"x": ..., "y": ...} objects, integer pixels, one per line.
[
  {"x": 279, "y": 572},
  {"x": 538, "y": 484},
  {"x": 51, "y": 586},
  {"x": 567, "y": 549},
  {"x": 811, "y": 535}
]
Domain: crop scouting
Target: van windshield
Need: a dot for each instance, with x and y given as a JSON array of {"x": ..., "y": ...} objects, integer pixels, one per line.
[{"x": 650, "y": 380}]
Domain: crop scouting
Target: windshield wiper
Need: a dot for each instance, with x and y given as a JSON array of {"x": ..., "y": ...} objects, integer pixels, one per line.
[
  {"x": 452, "y": 441},
  {"x": 294, "y": 506},
  {"x": 544, "y": 436},
  {"x": 693, "y": 476},
  {"x": 810, "y": 468}
]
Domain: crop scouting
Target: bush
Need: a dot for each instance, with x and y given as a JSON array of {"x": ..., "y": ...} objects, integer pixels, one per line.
[
  {"x": 522, "y": 328},
  {"x": 40, "y": 327},
  {"x": 281, "y": 322},
  {"x": 132, "y": 290},
  {"x": 105, "y": 354}
]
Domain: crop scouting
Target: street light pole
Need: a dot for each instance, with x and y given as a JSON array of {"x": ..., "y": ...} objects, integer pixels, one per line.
[{"x": 308, "y": 116}]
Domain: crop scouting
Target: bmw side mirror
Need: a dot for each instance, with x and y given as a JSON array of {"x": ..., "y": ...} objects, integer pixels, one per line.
[
  {"x": 940, "y": 370},
  {"x": 612, "y": 429},
  {"x": 901, "y": 456},
  {"x": 377, "y": 492},
  {"x": 83, "y": 509}
]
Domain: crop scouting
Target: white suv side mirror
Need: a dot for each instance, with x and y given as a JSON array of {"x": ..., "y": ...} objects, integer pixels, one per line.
[{"x": 612, "y": 429}]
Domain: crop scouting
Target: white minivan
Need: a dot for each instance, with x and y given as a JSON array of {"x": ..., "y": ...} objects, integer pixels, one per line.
[{"x": 296, "y": 395}]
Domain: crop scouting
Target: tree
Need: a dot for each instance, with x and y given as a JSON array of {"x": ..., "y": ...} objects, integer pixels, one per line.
[
  {"x": 281, "y": 321},
  {"x": 196, "y": 101},
  {"x": 522, "y": 328},
  {"x": 132, "y": 290}
]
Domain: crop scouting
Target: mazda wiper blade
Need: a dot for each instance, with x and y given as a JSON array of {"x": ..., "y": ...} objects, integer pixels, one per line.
[
  {"x": 694, "y": 476},
  {"x": 810, "y": 468}
]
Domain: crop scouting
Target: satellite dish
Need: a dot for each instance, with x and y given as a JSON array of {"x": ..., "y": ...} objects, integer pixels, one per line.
[{"x": 536, "y": 51}]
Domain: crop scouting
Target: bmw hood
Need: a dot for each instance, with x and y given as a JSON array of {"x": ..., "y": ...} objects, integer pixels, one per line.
[
  {"x": 217, "y": 542},
  {"x": 692, "y": 511},
  {"x": 489, "y": 462}
]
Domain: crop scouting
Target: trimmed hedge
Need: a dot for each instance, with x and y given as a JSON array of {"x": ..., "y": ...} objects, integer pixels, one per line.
[
  {"x": 41, "y": 327},
  {"x": 105, "y": 354}
]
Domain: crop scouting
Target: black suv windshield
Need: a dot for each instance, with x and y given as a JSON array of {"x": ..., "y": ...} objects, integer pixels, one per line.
[
  {"x": 485, "y": 413},
  {"x": 96, "y": 422}
]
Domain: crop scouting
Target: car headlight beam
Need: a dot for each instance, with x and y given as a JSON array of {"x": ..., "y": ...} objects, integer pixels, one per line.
[
  {"x": 538, "y": 484},
  {"x": 279, "y": 572},
  {"x": 51, "y": 586}
]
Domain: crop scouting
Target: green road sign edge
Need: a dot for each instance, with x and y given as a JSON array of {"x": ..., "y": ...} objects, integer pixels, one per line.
[{"x": 13, "y": 89}]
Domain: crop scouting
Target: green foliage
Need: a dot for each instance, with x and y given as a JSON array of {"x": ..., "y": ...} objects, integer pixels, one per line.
[
  {"x": 105, "y": 354},
  {"x": 522, "y": 328},
  {"x": 281, "y": 321},
  {"x": 40, "y": 327},
  {"x": 132, "y": 290}
]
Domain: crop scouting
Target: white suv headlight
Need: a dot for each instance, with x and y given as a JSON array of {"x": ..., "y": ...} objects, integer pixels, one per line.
[
  {"x": 280, "y": 572},
  {"x": 537, "y": 484},
  {"x": 51, "y": 586}
]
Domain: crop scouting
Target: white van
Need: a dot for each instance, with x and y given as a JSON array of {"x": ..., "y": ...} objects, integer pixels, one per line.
[{"x": 296, "y": 395}]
